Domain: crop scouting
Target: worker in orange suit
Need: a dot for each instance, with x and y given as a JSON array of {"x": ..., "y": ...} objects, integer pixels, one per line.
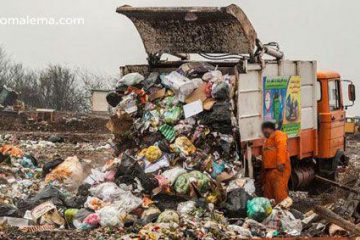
[{"x": 276, "y": 167}]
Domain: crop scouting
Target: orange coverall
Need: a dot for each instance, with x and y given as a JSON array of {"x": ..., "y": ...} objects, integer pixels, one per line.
[{"x": 275, "y": 153}]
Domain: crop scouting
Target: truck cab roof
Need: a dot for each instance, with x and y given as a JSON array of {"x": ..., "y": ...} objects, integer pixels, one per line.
[{"x": 328, "y": 75}]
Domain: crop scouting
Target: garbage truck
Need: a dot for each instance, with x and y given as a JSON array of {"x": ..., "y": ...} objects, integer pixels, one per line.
[{"x": 305, "y": 103}]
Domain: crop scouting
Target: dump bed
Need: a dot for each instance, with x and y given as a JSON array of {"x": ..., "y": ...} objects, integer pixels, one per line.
[{"x": 193, "y": 29}]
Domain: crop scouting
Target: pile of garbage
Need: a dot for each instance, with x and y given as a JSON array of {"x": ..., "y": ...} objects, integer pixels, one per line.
[
  {"x": 9, "y": 100},
  {"x": 177, "y": 172}
]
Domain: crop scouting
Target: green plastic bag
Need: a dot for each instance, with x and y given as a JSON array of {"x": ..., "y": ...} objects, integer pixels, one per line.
[
  {"x": 182, "y": 183},
  {"x": 70, "y": 214},
  {"x": 259, "y": 208},
  {"x": 172, "y": 115}
]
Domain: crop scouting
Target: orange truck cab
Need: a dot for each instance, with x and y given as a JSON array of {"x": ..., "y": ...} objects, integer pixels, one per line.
[{"x": 331, "y": 118}]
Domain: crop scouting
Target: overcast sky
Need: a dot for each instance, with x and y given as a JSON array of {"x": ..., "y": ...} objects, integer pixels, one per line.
[{"x": 324, "y": 30}]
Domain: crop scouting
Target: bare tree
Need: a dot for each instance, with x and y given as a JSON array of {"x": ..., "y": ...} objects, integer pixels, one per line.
[
  {"x": 92, "y": 81},
  {"x": 59, "y": 90},
  {"x": 4, "y": 67},
  {"x": 56, "y": 87}
]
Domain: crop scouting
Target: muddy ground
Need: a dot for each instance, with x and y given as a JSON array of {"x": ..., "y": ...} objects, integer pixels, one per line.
[{"x": 91, "y": 143}]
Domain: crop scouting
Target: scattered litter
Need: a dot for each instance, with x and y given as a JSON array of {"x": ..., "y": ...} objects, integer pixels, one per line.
[{"x": 176, "y": 171}]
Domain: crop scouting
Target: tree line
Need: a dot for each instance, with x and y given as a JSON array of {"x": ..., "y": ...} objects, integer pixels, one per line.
[{"x": 57, "y": 87}]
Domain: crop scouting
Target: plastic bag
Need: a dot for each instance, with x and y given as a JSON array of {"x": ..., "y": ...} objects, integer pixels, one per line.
[
  {"x": 150, "y": 215},
  {"x": 257, "y": 229},
  {"x": 283, "y": 221},
  {"x": 286, "y": 203},
  {"x": 12, "y": 151},
  {"x": 128, "y": 202},
  {"x": 95, "y": 177},
  {"x": 212, "y": 76},
  {"x": 49, "y": 166},
  {"x": 28, "y": 161},
  {"x": 173, "y": 114},
  {"x": 220, "y": 91},
  {"x": 183, "y": 145},
  {"x": 69, "y": 214},
  {"x": 169, "y": 216},
  {"x": 129, "y": 103},
  {"x": 70, "y": 172},
  {"x": 161, "y": 163},
  {"x": 113, "y": 99},
  {"x": 8, "y": 210},
  {"x": 193, "y": 69},
  {"x": 236, "y": 202},
  {"x": 200, "y": 180},
  {"x": 92, "y": 220},
  {"x": 247, "y": 184},
  {"x": 186, "y": 208},
  {"x": 151, "y": 80},
  {"x": 172, "y": 174},
  {"x": 110, "y": 216},
  {"x": 259, "y": 208},
  {"x": 79, "y": 217},
  {"x": 219, "y": 118},
  {"x": 175, "y": 81},
  {"x": 130, "y": 79},
  {"x": 218, "y": 167},
  {"x": 181, "y": 85},
  {"x": 153, "y": 153},
  {"x": 108, "y": 191},
  {"x": 47, "y": 193},
  {"x": 94, "y": 203}
]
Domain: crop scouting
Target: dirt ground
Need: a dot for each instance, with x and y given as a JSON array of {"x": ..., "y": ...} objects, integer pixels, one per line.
[{"x": 92, "y": 146}]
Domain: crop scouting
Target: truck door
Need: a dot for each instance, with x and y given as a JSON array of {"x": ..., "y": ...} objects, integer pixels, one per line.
[{"x": 331, "y": 119}]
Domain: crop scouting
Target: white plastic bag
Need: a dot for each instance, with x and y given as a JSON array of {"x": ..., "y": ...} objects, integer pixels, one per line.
[
  {"x": 172, "y": 174},
  {"x": 128, "y": 202},
  {"x": 95, "y": 177},
  {"x": 110, "y": 216},
  {"x": 283, "y": 221},
  {"x": 130, "y": 79},
  {"x": 181, "y": 85},
  {"x": 213, "y": 76},
  {"x": 107, "y": 191},
  {"x": 247, "y": 184},
  {"x": 186, "y": 208}
]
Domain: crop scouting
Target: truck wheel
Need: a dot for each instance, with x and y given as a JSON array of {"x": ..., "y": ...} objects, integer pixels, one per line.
[{"x": 326, "y": 168}]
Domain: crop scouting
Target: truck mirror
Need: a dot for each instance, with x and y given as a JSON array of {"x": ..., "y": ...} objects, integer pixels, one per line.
[{"x": 351, "y": 92}]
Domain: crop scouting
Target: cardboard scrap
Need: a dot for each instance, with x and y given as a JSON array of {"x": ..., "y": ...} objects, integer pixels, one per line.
[
  {"x": 198, "y": 94},
  {"x": 119, "y": 123},
  {"x": 158, "y": 94},
  {"x": 209, "y": 103},
  {"x": 193, "y": 108},
  {"x": 41, "y": 209}
]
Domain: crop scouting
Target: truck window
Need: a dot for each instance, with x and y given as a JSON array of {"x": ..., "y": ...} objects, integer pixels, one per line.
[
  {"x": 318, "y": 91},
  {"x": 334, "y": 95}
]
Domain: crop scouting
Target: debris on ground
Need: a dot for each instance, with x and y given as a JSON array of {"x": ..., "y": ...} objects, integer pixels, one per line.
[{"x": 176, "y": 172}]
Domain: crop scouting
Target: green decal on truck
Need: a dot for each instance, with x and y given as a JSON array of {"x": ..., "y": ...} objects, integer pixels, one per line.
[{"x": 282, "y": 103}]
